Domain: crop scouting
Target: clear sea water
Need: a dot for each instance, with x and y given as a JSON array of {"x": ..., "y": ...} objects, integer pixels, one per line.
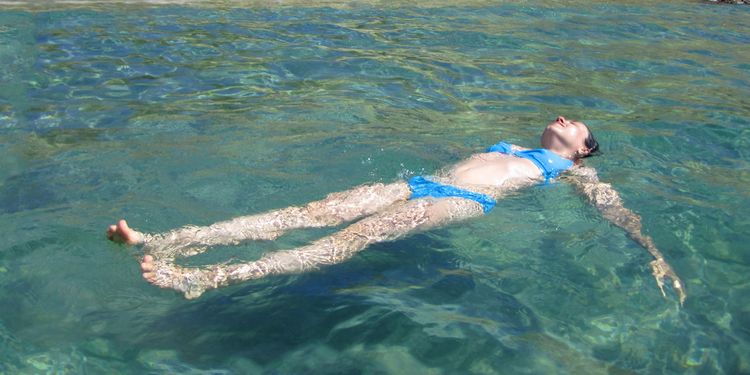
[{"x": 187, "y": 114}]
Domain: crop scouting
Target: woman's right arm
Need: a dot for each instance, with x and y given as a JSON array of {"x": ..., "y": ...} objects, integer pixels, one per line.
[{"x": 608, "y": 202}]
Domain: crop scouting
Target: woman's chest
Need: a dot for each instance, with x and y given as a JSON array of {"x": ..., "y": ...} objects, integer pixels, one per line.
[{"x": 494, "y": 169}]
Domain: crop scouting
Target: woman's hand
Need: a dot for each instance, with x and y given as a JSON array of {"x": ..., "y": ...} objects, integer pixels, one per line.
[{"x": 662, "y": 269}]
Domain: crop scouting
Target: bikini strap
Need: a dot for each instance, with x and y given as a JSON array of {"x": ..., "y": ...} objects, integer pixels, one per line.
[{"x": 549, "y": 163}]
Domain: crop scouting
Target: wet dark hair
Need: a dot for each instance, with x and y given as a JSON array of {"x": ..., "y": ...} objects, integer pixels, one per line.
[{"x": 592, "y": 144}]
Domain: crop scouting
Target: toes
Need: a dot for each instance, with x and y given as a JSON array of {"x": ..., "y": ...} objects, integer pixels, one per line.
[
  {"x": 147, "y": 266},
  {"x": 111, "y": 231},
  {"x": 123, "y": 225},
  {"x": 150, "y": 276}
]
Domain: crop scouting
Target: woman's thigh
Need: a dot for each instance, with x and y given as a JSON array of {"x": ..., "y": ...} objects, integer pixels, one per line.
[
  {"x": 360, "y": 201},
  {"x": 414, "y": 215}
]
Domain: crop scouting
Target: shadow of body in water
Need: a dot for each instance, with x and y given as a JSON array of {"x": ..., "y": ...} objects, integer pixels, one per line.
[{"x": 408, "y": 293}]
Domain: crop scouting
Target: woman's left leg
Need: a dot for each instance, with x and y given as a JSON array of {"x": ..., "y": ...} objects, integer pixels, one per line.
[
  {"x": 335, "y": 209},
  {"x": 404, "y": 219}
]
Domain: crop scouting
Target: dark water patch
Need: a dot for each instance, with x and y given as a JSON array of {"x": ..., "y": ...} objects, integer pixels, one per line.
[
  {"x": 447, "y": 289},
  {"x": 27, "y": 192}
]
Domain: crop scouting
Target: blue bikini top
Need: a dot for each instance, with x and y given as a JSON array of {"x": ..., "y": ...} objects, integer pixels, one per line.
[{"x": 548, "y": 162}]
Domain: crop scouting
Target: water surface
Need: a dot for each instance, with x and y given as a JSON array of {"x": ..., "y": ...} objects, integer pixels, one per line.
[{"x": 176, "y": 114}]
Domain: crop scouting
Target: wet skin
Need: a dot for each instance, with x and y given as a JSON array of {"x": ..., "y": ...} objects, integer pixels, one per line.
[{"x": 384, "y": 212}]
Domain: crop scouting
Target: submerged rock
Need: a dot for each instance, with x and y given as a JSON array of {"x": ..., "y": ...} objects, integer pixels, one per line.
[{"x": 102, "y": 348}]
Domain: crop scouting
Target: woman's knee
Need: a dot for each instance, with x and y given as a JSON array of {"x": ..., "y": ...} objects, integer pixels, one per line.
[{"x": 340, "y": 207}]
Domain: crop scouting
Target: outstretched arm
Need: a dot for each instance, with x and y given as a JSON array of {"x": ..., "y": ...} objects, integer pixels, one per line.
[{"x": 609, "y": 203}]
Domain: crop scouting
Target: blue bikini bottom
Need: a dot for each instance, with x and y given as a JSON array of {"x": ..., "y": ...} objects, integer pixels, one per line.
[{"x": 423, "y": 187}]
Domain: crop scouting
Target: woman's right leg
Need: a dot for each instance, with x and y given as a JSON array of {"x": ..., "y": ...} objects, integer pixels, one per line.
[
  {"x": 335, "y": 209},
  {"x": 401, "y": 220}
]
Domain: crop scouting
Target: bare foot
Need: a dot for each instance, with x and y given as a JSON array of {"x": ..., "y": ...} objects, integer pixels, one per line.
[
  {"x": 192, "y": 282},
  {"x": 147, "y": 269},
  {"x": 122, "y": 233}
]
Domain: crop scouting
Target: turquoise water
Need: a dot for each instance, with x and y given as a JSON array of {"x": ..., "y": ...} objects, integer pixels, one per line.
[{"x": 173, "y": 114}]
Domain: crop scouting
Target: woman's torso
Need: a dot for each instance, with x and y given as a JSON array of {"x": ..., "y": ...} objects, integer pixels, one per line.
[{"x": 492, "y": 171}]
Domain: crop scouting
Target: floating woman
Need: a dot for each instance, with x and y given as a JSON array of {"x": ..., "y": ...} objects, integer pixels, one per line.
[{"x": 386, "y": 212}]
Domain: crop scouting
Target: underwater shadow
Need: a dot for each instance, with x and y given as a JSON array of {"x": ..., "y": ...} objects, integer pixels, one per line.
[{"x": 411, "y": 292}]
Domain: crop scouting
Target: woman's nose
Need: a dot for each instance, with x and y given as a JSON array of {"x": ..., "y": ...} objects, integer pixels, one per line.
[{"x": 560, "y": 119}]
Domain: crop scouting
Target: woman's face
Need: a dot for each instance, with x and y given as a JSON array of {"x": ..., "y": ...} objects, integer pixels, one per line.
[{"x": 565, "y": 137}]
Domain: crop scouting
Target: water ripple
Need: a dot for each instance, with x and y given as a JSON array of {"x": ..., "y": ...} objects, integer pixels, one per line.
[{"x": 181, "y": 114}]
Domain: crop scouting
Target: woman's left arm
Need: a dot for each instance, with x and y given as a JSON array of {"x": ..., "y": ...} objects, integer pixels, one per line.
[{"x": 609, "y": 203}]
